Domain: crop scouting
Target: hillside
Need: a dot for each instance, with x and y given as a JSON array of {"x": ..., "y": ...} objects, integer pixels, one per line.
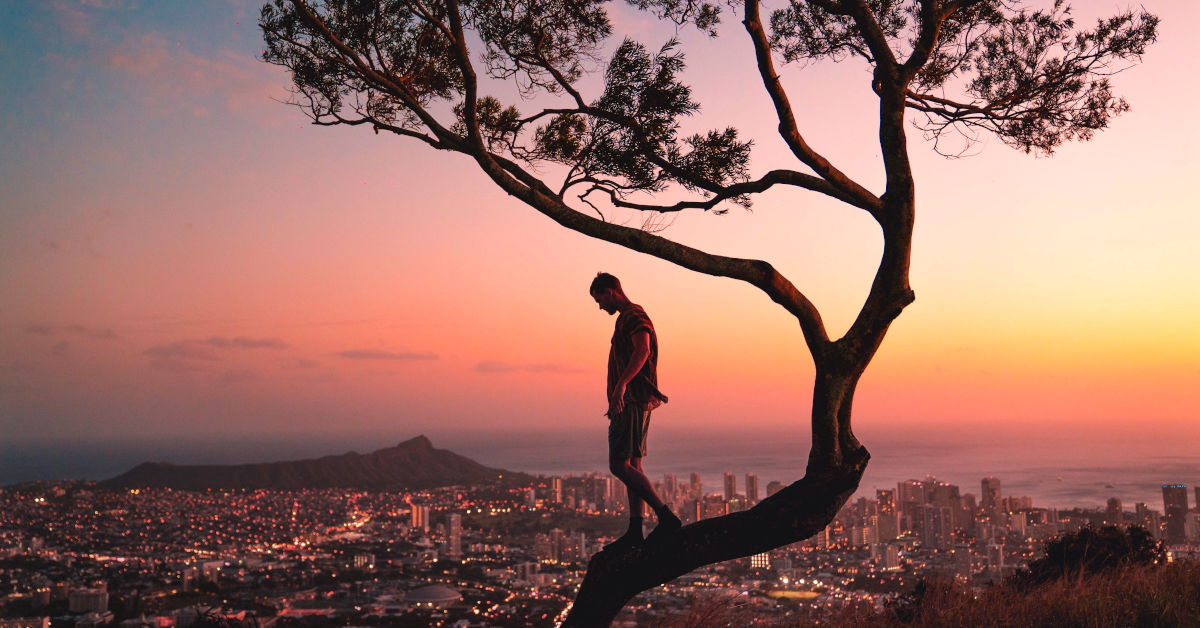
[{"x": 413, "y": 464}]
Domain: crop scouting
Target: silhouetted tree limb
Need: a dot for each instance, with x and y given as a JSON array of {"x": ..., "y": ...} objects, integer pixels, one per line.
[
  {"x": 793, "y": 514},
  {"x": 422, "y": 69},
  {"x": 788, "y": 129}
]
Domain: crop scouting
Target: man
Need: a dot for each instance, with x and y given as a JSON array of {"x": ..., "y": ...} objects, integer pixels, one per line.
[{"x": 632, "y": 394}]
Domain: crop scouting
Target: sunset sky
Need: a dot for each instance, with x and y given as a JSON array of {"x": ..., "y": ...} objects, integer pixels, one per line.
[{"x": 183, "y": 254}]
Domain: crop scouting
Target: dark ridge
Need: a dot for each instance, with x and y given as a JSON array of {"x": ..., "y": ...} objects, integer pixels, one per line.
[{"x": 412, "y": 465}]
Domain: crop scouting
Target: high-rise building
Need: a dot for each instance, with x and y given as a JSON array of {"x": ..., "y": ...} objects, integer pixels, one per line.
[
  {"x": 751, "y": 489},
  {"x": 932, "y": 525},
  {"x": 557, "y": 536},
  {"x": 730, "y": 485},
  {"x": 696, "y": 485},
  {"x": 600, "y": 491},
  {"x": 556, "y": 490},
  {"x": 1175, "y": 507},
  {"x": 544, "y": 548},
  {"x": 774, "y": 486},
  {"x": 1144, "y": 516},
  {"x": 909, "y": 495},
  {"x": 454, "y": 536},
  {"x": 885, "y": 501},
  {"x": 943, "y": 494},
  {"x": 887, "y": 520},
  {"x": 420, "y": 517},
  {"x": 910, "y": 491},
  {"x": 1112, "y": 512},
  {"x": 671, "y": 487},
  {"x": 990, "y": 496}
]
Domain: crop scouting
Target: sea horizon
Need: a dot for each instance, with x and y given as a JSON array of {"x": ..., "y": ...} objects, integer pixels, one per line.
[{"x": 1053, "y": 476}]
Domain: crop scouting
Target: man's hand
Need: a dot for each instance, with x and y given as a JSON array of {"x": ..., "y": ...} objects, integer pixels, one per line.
[{"x": 616, "y": 403}]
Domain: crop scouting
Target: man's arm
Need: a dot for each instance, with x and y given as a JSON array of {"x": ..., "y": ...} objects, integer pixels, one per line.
[{"x": 641, "y": 353}]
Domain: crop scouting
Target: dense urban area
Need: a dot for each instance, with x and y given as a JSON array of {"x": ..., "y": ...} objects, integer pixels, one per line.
[{"x": 73, "y": 554}]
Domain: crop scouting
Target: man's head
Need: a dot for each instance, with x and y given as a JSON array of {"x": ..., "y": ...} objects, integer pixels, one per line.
[{"x": 606, "y": 290}]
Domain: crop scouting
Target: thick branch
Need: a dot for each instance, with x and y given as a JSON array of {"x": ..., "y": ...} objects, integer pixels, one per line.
[
  {"x": 791, "y": 515},
  {"x": 470, "y": 82},
  {"x": 766, "y": 182},
  {"x": 379, "y": 125},
  {"x": 932, "y": 15},
  {"x": 788, "y": 128},
  {"x": 514, "y": 180},
  {"x": 871, "y": 33}
]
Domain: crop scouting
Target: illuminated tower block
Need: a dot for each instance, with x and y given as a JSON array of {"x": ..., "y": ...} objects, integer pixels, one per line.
[
  {"x": 1175, "y": 507},
  {"x": 990, "y": 496},
  {"x": 751, "y": 489}
]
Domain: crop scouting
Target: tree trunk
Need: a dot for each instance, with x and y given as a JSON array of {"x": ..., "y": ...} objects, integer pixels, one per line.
[{"x": 793, "y": 514}]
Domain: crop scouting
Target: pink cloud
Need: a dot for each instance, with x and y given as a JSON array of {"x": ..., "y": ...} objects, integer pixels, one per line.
[
  {"x": 495, "y": 366},
  {"x": 373, "y": 354},
  {"x": 188, "y": 355},
  {"x": 171, "y": 76}
]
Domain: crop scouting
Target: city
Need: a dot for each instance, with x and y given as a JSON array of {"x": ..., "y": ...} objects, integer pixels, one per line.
[{"x": 497, "y": 555}]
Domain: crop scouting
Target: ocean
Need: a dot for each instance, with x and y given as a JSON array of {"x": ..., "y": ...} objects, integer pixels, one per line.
[{"x": 1068, "y": 470}]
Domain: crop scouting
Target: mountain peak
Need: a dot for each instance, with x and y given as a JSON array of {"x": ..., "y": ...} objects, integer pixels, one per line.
[
  {"x": 413, "y": 464},
  {"x": 417, "y": 442}
]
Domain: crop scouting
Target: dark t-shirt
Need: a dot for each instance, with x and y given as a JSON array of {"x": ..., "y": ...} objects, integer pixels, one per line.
[{"x": 643, "y": 390}]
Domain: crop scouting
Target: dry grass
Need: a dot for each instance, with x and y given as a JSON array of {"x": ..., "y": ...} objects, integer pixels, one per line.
[
  {"x": 1149, "y": 596},
  {"x": 1137, "y": 596}
]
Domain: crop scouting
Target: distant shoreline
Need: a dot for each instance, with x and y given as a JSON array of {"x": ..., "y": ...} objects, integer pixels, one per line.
[{"x": 1089, "y": 474}]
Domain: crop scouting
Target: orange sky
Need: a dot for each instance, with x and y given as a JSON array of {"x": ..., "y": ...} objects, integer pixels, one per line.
[{"x": 180, "y": 254}]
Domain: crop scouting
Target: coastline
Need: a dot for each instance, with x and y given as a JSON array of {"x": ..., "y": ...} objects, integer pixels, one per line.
[{"x": 1054, "y": 476}]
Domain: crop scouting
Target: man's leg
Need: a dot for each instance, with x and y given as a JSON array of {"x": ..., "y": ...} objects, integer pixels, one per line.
[
  {"x": 637, "y": 482},
  {"x": 639, "y": 489},
  {"x": 667, "y": 521},
  {"x": 633, "y": 535}
]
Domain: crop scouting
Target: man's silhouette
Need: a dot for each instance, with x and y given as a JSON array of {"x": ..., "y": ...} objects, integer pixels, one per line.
[{"x": 632, "y": 394}]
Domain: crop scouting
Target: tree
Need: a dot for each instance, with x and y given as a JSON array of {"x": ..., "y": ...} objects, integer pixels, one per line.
[
  {"x": 1091, "y": 550},
  {"x": 420, "y": 69}
]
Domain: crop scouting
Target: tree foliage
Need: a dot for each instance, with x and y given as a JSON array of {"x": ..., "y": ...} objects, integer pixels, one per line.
[{"x": 1090, "y": 551}]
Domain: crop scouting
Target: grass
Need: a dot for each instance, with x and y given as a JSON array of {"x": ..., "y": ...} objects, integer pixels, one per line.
[{"x": 1136, "y": 596}]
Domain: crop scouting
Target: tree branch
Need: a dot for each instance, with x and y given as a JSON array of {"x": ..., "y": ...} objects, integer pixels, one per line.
[
  {"x": 383, "y": 81},
  {"x": 533, "y": 192},
  {"x": 788, "y": 128},
  {"x": 767, "y": 181},
  {"x": 790, "y": 515},
  {"x": 932, "y": 15},
  {"x": 470, "y": 80},
  {"x": 871, "y": 32}
]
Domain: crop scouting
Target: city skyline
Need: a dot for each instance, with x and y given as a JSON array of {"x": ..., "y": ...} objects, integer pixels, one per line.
[
  {"x": 183, "y": 256},
  {"x": 376, "y": 556}
]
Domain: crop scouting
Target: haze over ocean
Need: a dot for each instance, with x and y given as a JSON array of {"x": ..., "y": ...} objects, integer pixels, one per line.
[{"x": 1062, "y": 470}]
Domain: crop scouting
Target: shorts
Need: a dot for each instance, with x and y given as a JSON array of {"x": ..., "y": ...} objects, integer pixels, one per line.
[{"x": 627, "y": 432}]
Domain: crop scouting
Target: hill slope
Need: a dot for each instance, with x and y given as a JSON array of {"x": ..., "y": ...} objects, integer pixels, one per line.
[{"x": 413, "y": 464}]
